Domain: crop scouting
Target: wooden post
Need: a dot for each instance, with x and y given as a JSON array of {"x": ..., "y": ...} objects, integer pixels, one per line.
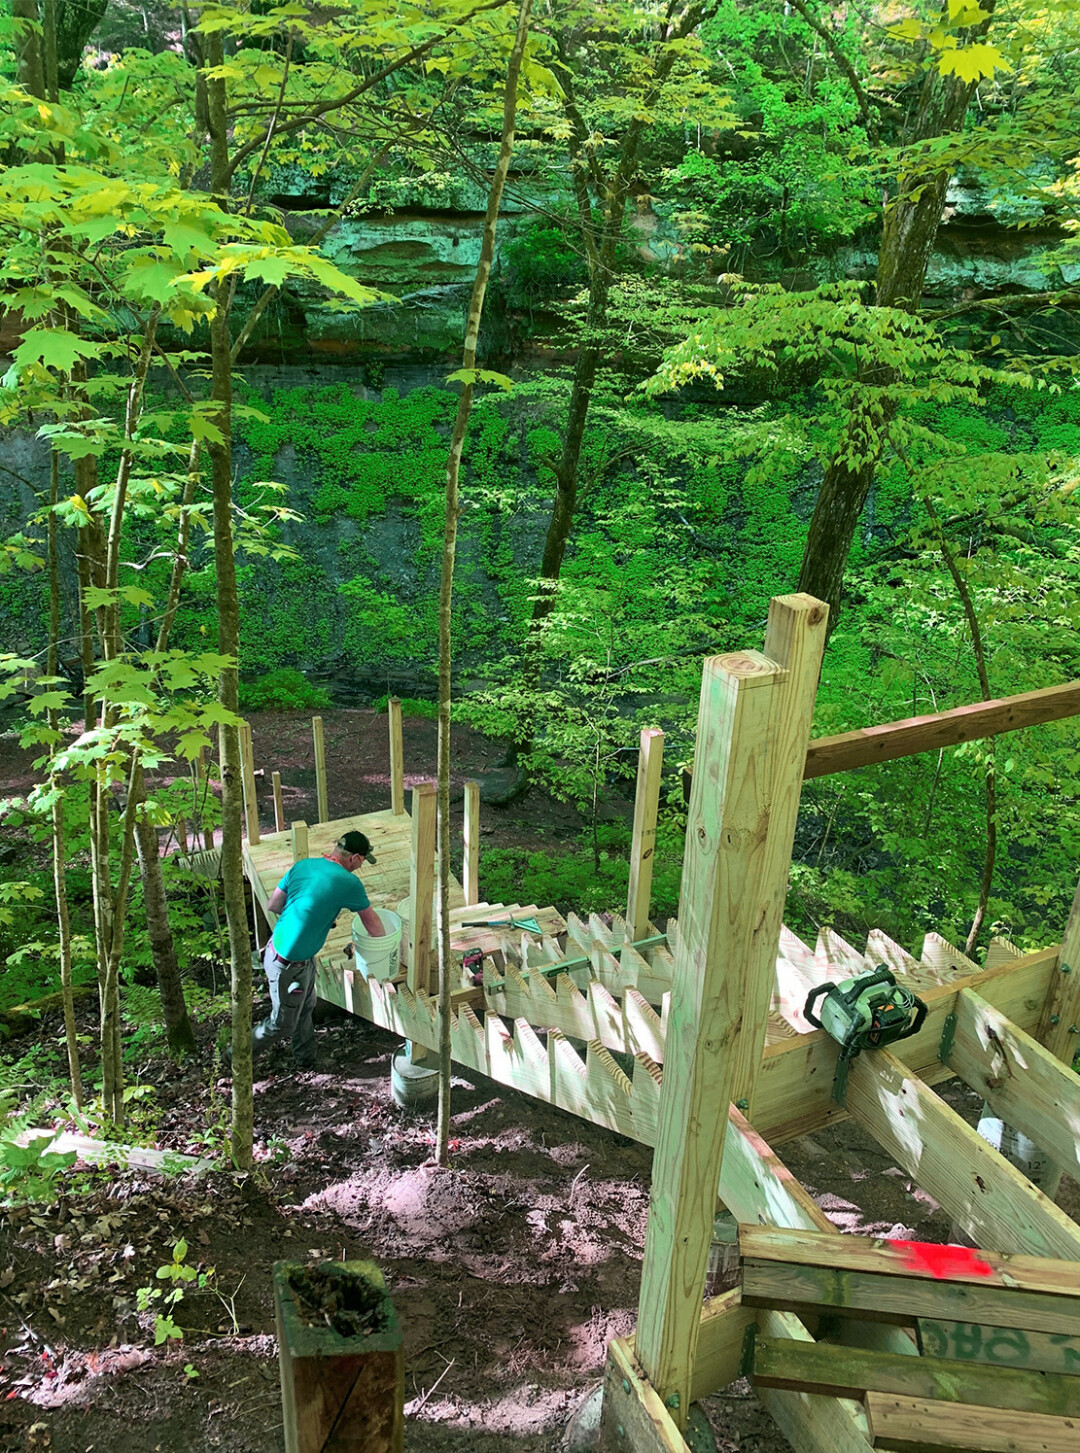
[
  {"x": 735, "y": 873},
  {"x": 421, "y": 884},
  {"x": 643, "y": 843},
  {"x": 320, "y": 769},
  {"x": 471, "y": 870},
  {"x": 397, "y": 757},
  {"x": 1060, "y": 1027},
  {"x": 279, "y": 803},
  {"x": 247, "y": 773},
  {"x": 299, "y": 841}
]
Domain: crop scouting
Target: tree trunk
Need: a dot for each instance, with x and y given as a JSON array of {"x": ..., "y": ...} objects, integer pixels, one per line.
[
  {"x": 909, "y": 231},
  {"x": 446, "y": 584},
  {"x": 228, "y": 603},
  {"x": 178, "y": 1031}
]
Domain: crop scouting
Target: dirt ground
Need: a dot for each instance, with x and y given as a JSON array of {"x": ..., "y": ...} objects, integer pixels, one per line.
[{"x": 509, "y": 1272}]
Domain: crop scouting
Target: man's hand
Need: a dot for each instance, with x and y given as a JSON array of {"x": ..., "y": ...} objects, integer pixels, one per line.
[{"x": 372, "y": 922}]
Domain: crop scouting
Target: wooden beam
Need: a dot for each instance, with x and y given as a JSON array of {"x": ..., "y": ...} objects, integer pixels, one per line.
[
  {"x": 634, "y": 1418},
  {"x": 247, "y": 774},
  {"x": 1024, "y": 1084},
  {"x": 724, "y": 896},
  {"x": 805, "y": 1288},
  {"x": 915, "y": 1261},
  {"x": 299, "y": 841},
  {"x": 1001, "y": 1347},
  {"x": 320, "y": 769},
  {"x": 643, "y": 841},
  {"x": 1059, "y": 1030},
  {"x": 279, "y": 804},
  {"x": 397, "y": 757},
  {"x": 915, "y": 734},
  {"x": 913, "y": 1425},
  {"x": 810, "y": 1423},
  {"x": 852, "y": 1372},
  {"x": 721, "y": 1343},
  {"x": 471, "y": 834},
  {"x": 994, "y": 1203},
  {"x": 421, "y": 884},
  {"x": 795, "y": 640}
]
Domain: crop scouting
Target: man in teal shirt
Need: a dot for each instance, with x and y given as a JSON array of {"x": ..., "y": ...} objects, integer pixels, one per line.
[{"x": 307, "y": 901}]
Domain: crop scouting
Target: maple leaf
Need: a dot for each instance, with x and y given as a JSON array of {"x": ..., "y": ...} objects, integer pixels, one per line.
[{"x": 973, "y": 62}]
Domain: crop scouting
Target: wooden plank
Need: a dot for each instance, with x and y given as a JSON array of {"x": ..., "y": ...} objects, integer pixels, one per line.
[
  {"x": 804, "y": 1288},
  {"x": 247, "y": 777},
  {"x": 1059, "y": 1029},
  {"x": 397, "y": 758},
  {"x": 913, "y": 1425},
  {"x": 643, "y": 840},
  {"x": 299, "y": 841},
  {"x": 1023, "y": 1083},
  {"x": 994, "y": 1203},
  {"x": 721, "y": 1343},
  {"x": 794, "y": 639},
  {"x": 794, "y": 1090},
  {"x": 1001, "y": 1347},
  {"x": 724, "y": 896},
  {"x": 911, "y": 1260},
  {"x": 851, "y": 1372},
  {"x": 279, "y": 804},
  {"x": 915, "y": 734},
  {"x": 810, "y": 1423},
  {"x": 320, "y": 769},
  {"x": 634, "y": 1418},
  {"x": 421, "y": 884},
  {"x": 471, "y": 833}
]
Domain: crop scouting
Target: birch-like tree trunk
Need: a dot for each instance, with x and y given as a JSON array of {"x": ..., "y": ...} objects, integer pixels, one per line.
[{"x": 446, "y": 584}]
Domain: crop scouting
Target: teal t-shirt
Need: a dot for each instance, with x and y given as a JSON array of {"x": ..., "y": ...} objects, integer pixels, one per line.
[{"x": 316, "y": 890}]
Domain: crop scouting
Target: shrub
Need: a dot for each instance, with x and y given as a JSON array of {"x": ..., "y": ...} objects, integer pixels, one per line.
[{"x": 283, "y": 690}]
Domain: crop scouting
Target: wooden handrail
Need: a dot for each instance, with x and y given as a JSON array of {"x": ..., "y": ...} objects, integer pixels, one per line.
[{"x": 916, "y": 734}]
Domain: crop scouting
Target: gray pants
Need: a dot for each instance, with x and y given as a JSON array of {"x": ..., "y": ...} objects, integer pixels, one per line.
[{"x": 292, "y": 999}]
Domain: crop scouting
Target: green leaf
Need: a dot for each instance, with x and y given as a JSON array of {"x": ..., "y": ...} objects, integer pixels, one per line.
[
  {"x": 973, "y": 62},
  {"x": 55, "y": 348},
  {"x": 480, "y": 375}
]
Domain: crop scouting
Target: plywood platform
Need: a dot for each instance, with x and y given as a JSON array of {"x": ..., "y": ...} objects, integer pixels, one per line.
[{"x": 386, "y": 880}]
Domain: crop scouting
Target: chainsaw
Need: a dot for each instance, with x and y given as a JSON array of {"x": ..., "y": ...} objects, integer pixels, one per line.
[{"x": 867, "y": 1012}]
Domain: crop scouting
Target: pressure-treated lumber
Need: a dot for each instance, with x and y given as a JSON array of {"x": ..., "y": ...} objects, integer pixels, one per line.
[
  {"x": 247, "y": 777},
  {"x": 724, "y": 897},
  {"x": 794, "y": 639},
  {"x": 994, "y": 1203},
  {"x": 1024, "y": 1084},
  {"x": 299, "y": 841},
  {"x": 279, "y": 803},
  {"x": 421, "y": 885},
  {"x": 811, "y": 1423},
  {"x": 852, "y": 1371},
  {"x": 721, "y": 1343},
  {"x": 320, "y": 769},
  {"x": 913, "y": 1425},
  {"x": 1000, "y": 1347},
  {"x": 471, "y": 834},
  {"x": 643, "y": 840},
  {"x": 634, "y": 1418},
  {"x": 397, "y": 757},
  {"x": 917, "y": 1261},
  {"x": 943, "y": 729},
  {"x": 1060, "y": 1026}
]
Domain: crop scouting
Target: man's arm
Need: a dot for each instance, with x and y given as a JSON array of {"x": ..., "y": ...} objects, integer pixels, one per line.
[
  {"x": 276, "y": 902},
  {"x": 372, "y": 922}
]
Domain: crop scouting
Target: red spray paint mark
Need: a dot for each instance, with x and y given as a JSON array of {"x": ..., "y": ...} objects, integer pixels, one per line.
[{"x": 943, "y": 1261}]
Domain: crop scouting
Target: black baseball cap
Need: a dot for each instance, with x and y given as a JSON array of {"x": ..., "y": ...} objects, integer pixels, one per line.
[{"x": 356, "y": 842}]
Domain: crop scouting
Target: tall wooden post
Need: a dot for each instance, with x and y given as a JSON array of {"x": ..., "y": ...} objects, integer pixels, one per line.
[
  {"x": 247, "y": 773},
  {"x": 1060, "y": 1026},
  {"x": 421, "y": 884},
  {"x": 299, "y": 841},
  {"x": 643, "y": 843},
  {"x": 735, "y": 873},
  {"x": 320, "y": 769},
  {"x": 471, "y": 868},
  {"x": 397, "y": 758},
  {"x": 279, "y": 804}
]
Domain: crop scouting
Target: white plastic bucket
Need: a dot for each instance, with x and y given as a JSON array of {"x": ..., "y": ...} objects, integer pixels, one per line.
[{"x": 377, "y": 958}]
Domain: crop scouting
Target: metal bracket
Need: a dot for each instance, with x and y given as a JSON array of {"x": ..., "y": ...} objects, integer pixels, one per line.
[
  {"x": 839, "y": 1084},
  {"x": 948, "y": 1035}
]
